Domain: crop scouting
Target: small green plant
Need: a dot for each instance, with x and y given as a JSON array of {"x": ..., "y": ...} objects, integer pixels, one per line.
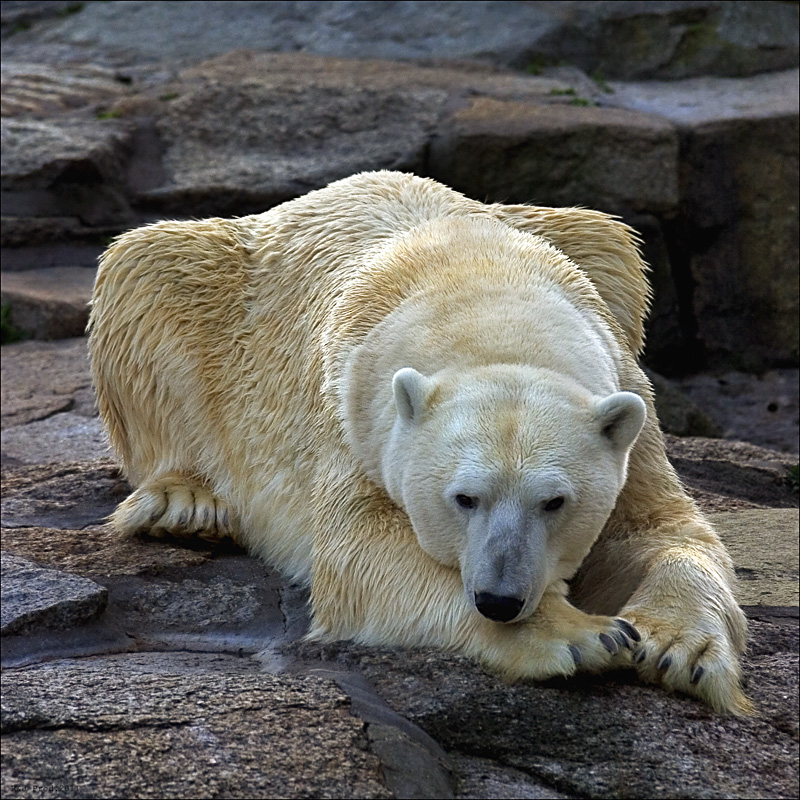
[
  {"x": 167, "y": 96},
  {"x": 113, "y": 113},
  {"x": 580, "y": 101},
  {"x": 561, "y": 92},
  {"x": 535, "y": 67},
  {"x": 793, "y": 477},
  {"x": 72, "y": 8},
  {"x": 9, "y": 332},
  {"x": 19, "y": 27},
  {"x": 601, "y": 83}
]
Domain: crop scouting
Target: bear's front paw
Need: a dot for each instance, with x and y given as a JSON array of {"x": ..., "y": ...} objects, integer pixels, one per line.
[
  {"x": 595, "y": 645},
  {"x": 694, "y": 654},
  {"x": 559, "y": 640},
  {"x": 175, "y": 506}
]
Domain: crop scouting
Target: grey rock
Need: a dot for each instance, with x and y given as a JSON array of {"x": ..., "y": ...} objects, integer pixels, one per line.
[
  {"x": 60, "y": 438},
  {"x": 627, "y": 40},
  {"x": 139, "y": 735},
  {"x": 40, "y": 379},
  {"x": 284, "y": 143},
  {"x": 734, "y": 241},
  {"x": 614, "y": 160},
  {"x": 69, "y": 168},
  {"x": 728, "y": 475},
  {"x": 34, "y": 597},
  {"x": 482, "y": 778},
  {"x": 48, "y": 303},
  {"x": 708, "y": 99},
  {"x": 677, "y": 413},
  {"x": 768, "y": 575},
  {"x": 598, "y": 737},
  {"x": 761, "y": 409},
  {"x": 70, "y": 495}
]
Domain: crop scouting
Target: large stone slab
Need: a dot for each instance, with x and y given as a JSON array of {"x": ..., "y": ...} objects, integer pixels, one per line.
[
  {"x": 626, "y": 40},
  {"x": 761, "y": 409},
  {"x": 735, "y": 249},
  {"x": 34, "y": 597},
  {"x": 764, "y": 546},
  {"x": 615, "y": 160},
  {"x": 62, "y": 437},
  {"x": 40, "y": 379},
  {"x": 48, "y": 303},
  {"x": 127, "y": 734},
  {"x": 69, "y": 495}
]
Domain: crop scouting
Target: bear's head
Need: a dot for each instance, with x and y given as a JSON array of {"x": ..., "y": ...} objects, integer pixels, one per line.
[{"x": 507, "y": 472}]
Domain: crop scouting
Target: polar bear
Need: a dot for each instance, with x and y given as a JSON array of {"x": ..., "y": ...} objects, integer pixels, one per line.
[{"x": 429, "y": 408}]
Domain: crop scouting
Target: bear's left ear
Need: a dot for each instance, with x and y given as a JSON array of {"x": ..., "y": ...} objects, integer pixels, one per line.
[
  {"x": 620, "y": 417},
  {"x": 411, "y": 390}
]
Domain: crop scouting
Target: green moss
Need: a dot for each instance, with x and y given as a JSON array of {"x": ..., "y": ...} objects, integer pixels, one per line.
[
  {"x": 113, "y": 113},
  {"x": 9, "y": 332},
  {"x": 535, "y": 67},
  {"x": 72, "y": 8},
  {"x": 598, "y": 78},
  {"x": 22, "y": 25},
  {"x": 580, "y": 101},
  {"x": 560, "y": 92},
  {"x": 793, "y": 477},
  {"x": 168, "y": 96}
]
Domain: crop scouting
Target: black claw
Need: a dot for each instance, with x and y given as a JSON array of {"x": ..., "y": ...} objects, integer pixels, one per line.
[
  {"x": 665, "y": 663},
  {"x": 697, "y": 674},
  {"x": 628, "y": 629},
  {"x": 641, "y": 655},
  {"x": 609, "y": 643},
  {"x": 576, "y": 655}
]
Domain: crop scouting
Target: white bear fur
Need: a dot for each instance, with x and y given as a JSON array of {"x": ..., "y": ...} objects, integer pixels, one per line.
[{"x": 331, "y": 381}]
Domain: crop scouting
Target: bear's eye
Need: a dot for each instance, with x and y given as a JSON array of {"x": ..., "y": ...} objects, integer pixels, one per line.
[
  {"x": 553, "y": 504},
  {"x": 465, "y": 501}
]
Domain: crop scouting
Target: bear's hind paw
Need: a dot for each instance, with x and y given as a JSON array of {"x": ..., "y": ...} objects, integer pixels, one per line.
[{"x": 175, "y": 506}]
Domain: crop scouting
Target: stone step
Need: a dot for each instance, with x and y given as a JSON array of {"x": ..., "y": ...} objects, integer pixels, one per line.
[{"x": 50, "y": 303}]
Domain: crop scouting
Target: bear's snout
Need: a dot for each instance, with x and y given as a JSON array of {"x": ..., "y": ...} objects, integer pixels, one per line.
[{"x": 498, "y": 608}]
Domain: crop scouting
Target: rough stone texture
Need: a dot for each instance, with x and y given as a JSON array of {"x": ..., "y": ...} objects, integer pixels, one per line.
[
  {"x": 48, "y": 303},
  {"x": 734, "y": 238},
  {"x": 723, "y": 475},
  {"x": 64, "y": 495},
  {"x": 626, "y": 40},
  {"x": 677, "y": 414},
  {"x": 39, "y": 379},
  {"x": 203, "y": 615},
  {"x": 67, "y": 169},
  {"x": 761, "y": 409},
  {"x": 619, "y": 161},
  {"x": 601, "y": 737},
  {"x": 99, "y": 147},
  {"x": 180, "y": 736},
  {"x": 34, "y": 597},
  {"x": 62, "y": 437},
  {"x": 763, "y": 545}
]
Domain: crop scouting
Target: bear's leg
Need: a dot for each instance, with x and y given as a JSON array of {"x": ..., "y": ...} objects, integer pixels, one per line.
[
  {"x": 174, "y": 505},
  {"x": 660, "y": 565}
]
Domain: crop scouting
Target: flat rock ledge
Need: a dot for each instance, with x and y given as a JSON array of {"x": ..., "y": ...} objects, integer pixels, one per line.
[{"x": 190, "y": 676}]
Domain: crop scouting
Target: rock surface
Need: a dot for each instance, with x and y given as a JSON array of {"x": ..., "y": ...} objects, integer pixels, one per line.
[
  {"x": 202, "y": 619},
  {"x": 140, "y": 668},
  {"x": 104, "y": 128},
  {"x": 35, "y": 598}
]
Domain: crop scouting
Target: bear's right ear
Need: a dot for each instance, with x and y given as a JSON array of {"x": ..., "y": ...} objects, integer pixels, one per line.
[
  {"x": 411, "y": 390},
  {"x": 621, "y": 416}
]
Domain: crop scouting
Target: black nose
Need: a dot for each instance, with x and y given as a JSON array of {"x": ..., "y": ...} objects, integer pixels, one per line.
[{"x": 500, "y": 609}]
